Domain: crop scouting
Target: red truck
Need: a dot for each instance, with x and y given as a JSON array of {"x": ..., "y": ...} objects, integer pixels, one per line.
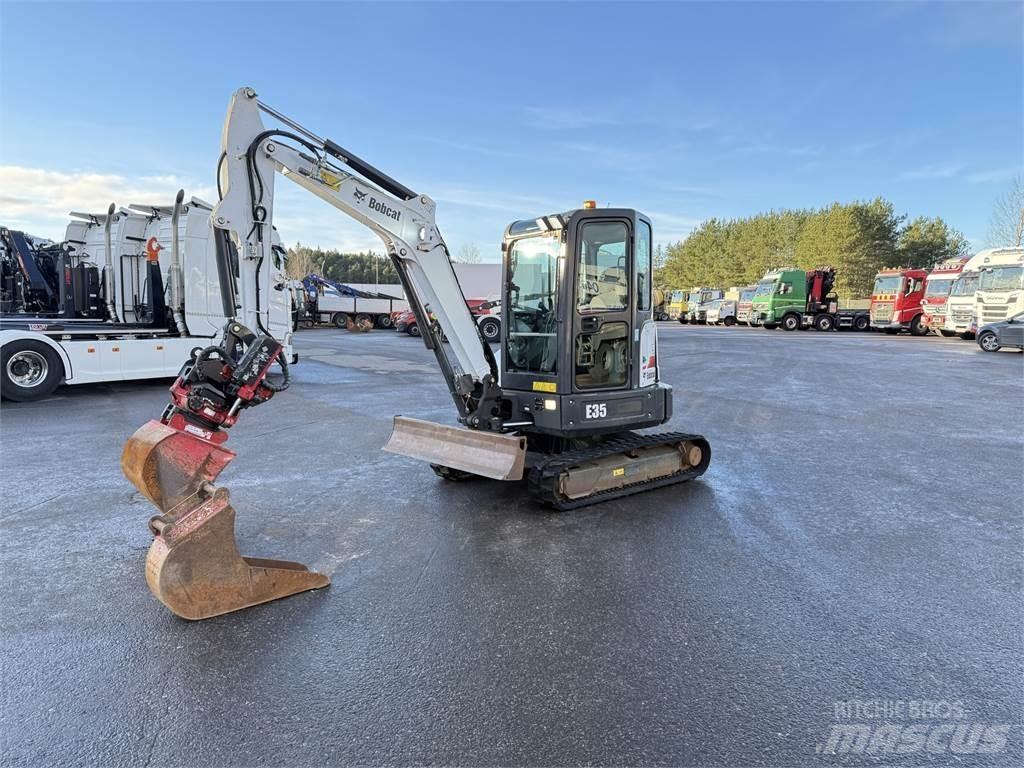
[
  {"x": 936, "y": 290},
  {"x": 896, "y": 301}
]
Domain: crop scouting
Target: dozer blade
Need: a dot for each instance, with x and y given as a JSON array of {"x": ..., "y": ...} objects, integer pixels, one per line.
[
  {"x": 499, "y": 457},
  {"x": 193, "y": 566}
]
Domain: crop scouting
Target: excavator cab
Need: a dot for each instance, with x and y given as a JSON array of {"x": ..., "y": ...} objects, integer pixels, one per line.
[{"x": 579, "y": 353}]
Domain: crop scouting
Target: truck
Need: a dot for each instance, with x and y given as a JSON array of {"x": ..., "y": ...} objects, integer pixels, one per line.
[
  {"x": 661, "y": 299},
  {"x": 697, "y": 303},
  {"x": 794, "y": 299},
  {"x": 896, "y": 300},
  {"x": 165, "y": 284},
  {"x": 723, "y": 311},
  {"x": 937, "y": 286},
  {"x": 745, "y": 304},
  {"x": 677, "y": 306},
  {"x": 1000, "y": 293},
  {"x": 997, "y": 266},
  {"x": 328, "y": 301}
]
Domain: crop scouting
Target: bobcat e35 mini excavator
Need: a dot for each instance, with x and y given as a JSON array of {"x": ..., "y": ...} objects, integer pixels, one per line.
[{"x": 578, "y": 363}]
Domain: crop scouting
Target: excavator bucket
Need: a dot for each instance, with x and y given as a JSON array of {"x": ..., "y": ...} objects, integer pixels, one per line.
[
  {"x": 193, "y": 566},
  {"x": 488, "y": 454}
]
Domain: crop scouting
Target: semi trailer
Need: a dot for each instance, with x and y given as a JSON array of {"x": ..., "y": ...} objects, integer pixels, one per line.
[
  {"x": 165, "y": 285},
  {"x": 793, "y": 299},
  {"x": 896, "y": 300}
]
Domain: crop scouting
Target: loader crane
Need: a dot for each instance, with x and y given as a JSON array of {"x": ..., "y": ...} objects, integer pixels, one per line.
[{"x": 577, "y": 372}]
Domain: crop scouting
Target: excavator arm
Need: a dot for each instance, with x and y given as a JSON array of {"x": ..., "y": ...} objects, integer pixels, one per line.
[
  {"x": 193, "y": 565},
  {"x": 252, "y": 155}
]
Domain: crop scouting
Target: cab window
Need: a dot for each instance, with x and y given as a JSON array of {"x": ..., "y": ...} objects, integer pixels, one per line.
[
  {"x": 603, "y": 266},
  {"x": 643, "y": 266}
]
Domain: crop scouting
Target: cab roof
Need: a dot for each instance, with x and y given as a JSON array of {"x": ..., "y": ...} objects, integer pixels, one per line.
[{"x": 551, "y": 222}]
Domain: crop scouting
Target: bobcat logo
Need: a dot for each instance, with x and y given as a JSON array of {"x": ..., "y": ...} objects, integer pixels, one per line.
[{"x": 360, "y": 195}]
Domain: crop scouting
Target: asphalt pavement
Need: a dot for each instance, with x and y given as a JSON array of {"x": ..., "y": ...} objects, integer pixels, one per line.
[{"x": 850, "y": 563}]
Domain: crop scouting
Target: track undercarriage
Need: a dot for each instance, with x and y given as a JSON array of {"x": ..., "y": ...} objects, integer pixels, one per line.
[{"x": 569, "y": 474}]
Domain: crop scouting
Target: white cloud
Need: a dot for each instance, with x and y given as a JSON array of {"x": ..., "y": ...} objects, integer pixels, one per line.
[
  {"x": 934, "y": 171},
  {"x": 38, "y": 200},
  {"x": 998, "y": 174}
]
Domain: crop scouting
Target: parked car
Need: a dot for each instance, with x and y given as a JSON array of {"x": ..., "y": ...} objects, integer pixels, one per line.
[{"x": 1005, "y": 333}]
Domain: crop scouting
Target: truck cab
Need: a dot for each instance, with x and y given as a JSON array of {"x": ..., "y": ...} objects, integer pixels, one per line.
[
  {"x": 1000, "y": 291},
  {"x": 745, "y": 304},
  {"x": 780, "y": 294},
  {"x": 677, "y": 306},
  {"x": 896, "y": 300},
  {"x": 937, "y": 286}
]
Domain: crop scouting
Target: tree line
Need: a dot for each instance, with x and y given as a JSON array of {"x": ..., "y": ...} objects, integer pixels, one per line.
[
  {"x": 856, "y": 238},
  {"x": 359, "y": 267}
]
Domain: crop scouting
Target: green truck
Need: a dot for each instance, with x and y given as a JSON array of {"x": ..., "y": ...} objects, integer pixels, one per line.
[{"x": 794, "y": 298}]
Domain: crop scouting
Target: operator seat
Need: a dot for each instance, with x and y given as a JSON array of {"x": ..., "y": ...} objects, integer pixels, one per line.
[{"x": 611, "y": 290}]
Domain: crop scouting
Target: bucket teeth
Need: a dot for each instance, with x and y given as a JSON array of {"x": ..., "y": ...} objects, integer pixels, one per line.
[{"x": 193, "y": 566}]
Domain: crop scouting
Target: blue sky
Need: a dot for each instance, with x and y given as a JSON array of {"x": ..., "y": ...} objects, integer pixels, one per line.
[{"x": 685, "y": 111}]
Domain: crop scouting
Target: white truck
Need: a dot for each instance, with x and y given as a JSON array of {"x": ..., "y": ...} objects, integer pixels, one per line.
[
  {"x": 989, "y": 289},
  {"x": 330, "y": 302},
  {"x": 169, "y": 284}
]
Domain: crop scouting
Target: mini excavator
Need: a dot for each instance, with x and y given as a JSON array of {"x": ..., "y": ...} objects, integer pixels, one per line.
[{"x": 577, "y": 375}]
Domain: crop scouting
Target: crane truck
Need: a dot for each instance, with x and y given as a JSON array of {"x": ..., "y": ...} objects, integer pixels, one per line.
[
  {"x": 792, "y": 299},
  {"x": 142, "y": 287},
  {"x": 342, "y": 305},
  {"x": 575, "y": 374}
]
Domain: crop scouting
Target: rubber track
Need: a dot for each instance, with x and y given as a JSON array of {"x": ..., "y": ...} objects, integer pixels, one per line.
[{"x": 543, "y": 477}]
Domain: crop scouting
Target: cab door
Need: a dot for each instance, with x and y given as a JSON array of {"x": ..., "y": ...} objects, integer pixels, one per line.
[{"x": 603, "y": 348}]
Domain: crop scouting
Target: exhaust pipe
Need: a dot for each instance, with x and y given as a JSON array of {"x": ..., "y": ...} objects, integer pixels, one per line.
[
  {"x": 108, "y": 267},
  {"x": 177, "y": 280}
]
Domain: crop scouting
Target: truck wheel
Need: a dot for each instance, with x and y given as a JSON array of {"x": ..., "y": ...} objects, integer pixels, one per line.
[
  {"x": 791, "y": 323},
  {"x": 413, "y": 330},
  {"x": 947, "y": 334},
  {"x": 917, "y": 327},
  {"x": 682, "y": 321},
  {"x": 490, "y": 329},
  {"x": 730, "y": 321},
  {"x": 364, "y": 322},
  {"x": 860, "y": 323},
  {"x": 384, "y": 321},
  {"x": 988, "y": 342},
  {"x": 824, "y": 322},
  {"x": 340, "y": 320},
  {"x": 29, "y": 370}
]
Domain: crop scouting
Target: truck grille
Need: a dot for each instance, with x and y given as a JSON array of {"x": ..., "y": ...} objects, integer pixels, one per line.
[
  {"x": 993, "y": 313},
  {"x": 881, "y": 312},
  {"x": 960, "y": 316}
]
